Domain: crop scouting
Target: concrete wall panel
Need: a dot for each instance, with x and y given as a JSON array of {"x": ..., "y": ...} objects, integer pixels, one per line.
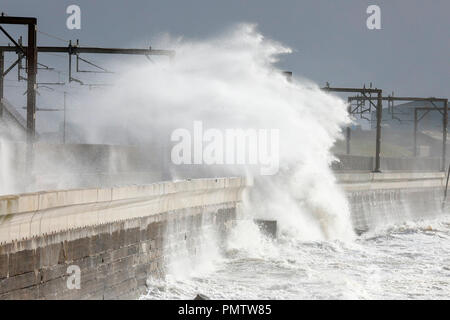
[{"x": 116, "y": 236}]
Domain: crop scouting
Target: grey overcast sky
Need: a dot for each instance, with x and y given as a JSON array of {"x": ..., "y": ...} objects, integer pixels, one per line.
[{"x": 410, "y": 54}]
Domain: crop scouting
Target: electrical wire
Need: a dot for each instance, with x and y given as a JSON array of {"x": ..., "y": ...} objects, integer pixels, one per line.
[{"x": 53, "y": 36}]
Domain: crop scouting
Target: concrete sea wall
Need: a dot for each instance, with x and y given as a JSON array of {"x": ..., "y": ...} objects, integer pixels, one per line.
[
  {"x": 364, "y": 163},
  {"x": 380, "y": 199},
  {"x": 117, "y": 237}
]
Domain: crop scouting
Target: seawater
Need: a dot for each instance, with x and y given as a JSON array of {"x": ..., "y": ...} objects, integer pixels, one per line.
[{"x": 405, "y": 261}]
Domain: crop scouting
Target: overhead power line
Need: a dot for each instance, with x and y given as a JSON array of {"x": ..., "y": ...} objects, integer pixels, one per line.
[{"x": 53, "y": 36}]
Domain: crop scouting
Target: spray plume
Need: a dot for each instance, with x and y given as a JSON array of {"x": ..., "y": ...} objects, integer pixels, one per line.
[{"x": 230, "y": 82}]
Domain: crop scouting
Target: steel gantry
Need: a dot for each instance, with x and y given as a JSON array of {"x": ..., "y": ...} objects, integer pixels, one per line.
[
  {"x": 30, "y": 53},
  {"x": 443, "y": 110},
  {"x": 359, "y": 109}
]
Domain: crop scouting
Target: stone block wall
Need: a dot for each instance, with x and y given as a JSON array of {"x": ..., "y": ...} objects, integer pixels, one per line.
[
  {"x": 115, "y": 259},
  {"x": 117, "y": 254}
]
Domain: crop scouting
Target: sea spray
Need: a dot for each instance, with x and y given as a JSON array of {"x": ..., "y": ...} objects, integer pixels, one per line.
[
  {"x": 191, "y": 251},
  {"x": 230, "y": 81},
  {"x": 407, "y": 261},
  {"x": 7, "y": 168}
]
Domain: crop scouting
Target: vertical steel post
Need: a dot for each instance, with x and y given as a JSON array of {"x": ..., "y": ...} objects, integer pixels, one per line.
[
  {"x": 2, "y": 69},
  {"x": 31, "y": 53},
  {"x": 378, "y": 137},
  {"x": 415, "y": 132},
  {"x": 19, "y": 65},
  {"x": 31, "y": 82},
  {"x": 444, "y": 134},
  {"x": 64, "y": 126},
  {"x": 347, "y": 140}
]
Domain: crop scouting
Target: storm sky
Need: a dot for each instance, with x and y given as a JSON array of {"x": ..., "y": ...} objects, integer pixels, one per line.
[{"x": 409, "y": 55}]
